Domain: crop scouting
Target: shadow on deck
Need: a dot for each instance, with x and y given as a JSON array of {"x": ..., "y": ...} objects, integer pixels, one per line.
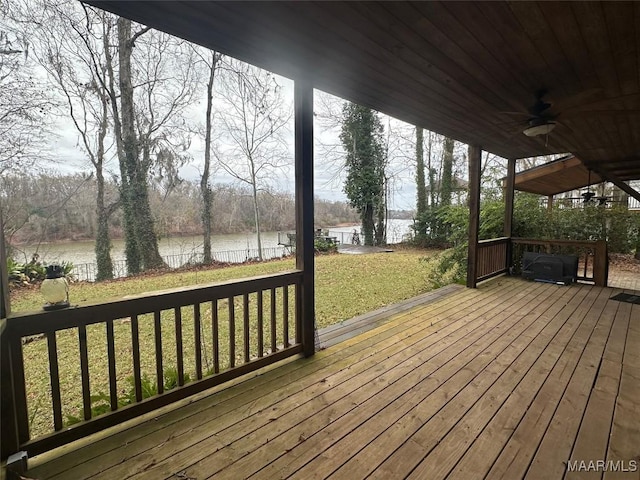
[{"x": 511, "y": 380}]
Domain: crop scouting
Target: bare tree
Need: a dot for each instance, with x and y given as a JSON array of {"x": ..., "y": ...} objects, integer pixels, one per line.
[
  {"x": 71, "y": 50},
  {"x": 147, "y": 109},
  {"x": 210, "y": 60},
  {"x": 24, "y": 102},
  {"x": 255, "y": 123}
]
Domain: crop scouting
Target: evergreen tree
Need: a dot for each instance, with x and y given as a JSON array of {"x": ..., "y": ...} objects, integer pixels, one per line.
[
  {"x": 361, "y": 137},
  {"x": 421, "y": 187}
]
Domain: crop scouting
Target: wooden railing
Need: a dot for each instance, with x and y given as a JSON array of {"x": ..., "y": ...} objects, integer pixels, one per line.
[
  {"x": 501, "y": 255},
  {"x": 492, "y": 258},
  {"x": 593, "y": 262},
  {"x": 128, "y": 357}
]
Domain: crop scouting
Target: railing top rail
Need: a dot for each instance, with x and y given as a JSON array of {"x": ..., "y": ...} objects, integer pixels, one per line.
[
  {"x": 537, "y": 241},
  {"x": 34, "y": 323},
  {"x": 493, "y": 241}
]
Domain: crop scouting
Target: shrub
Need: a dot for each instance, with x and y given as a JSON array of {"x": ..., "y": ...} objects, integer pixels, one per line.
[
  {"x": 323, "y": 246},
  {"x": 34, "y": 271},
  {"x": 446, "y": 267}
]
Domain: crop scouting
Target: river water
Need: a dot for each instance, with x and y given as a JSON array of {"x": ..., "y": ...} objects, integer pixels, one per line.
[{"x": 227, "y": 248}]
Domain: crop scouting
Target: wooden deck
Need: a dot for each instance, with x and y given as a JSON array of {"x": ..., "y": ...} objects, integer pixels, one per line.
[{"x": 511, "y": 380}]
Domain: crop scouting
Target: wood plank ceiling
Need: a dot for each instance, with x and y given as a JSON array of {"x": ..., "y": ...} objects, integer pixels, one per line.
[{"x": 458, "y": 68}]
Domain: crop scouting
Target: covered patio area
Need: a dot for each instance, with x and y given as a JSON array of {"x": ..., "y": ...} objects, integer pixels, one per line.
[
  {"x": 507, "y": 380},
  {"x": 510, "y": 380}
]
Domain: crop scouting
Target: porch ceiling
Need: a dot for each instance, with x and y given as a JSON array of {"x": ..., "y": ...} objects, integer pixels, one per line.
[
  {"x": 562, "y": 175},
  {"x": 452, "y": 67}
]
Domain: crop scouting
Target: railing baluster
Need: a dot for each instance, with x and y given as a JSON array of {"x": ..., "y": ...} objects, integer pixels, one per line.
[
  {"x": 54, "y": 376},
  {"x": 84, "y": 370},
  {"x": 245, "y": 312},
  {"x": 135, "y": 347},
  {"x": 157, "y": 327},
  {"x": 298, "y": 312},
  {"x": 215, "y": 335},
  {"x": 197, "y": 339},
  {"x": 274, "y": 345},
  {"x": 232, "y": 333},
  {"x": 179, "y": 349},
  {"x": 111, "y": 358},
  {"x": 260, "y": 307},
  {"x": 285, "y": 315}
]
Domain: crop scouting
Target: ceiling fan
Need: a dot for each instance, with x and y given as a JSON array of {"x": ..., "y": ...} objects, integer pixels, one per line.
[
  {"x": 591, "y": 197},
  {"x": 543, "y": 115},
  {"x": 541, "y": 119}
]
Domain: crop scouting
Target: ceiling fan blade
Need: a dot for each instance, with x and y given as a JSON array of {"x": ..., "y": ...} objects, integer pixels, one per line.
[
  {"x": 623, "y": 103},
  {"x": 580, "y": 113},
  {"x": 575, "y": 100}
]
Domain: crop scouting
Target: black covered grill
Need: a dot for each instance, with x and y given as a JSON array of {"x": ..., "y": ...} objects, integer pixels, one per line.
[{"x": 550, "y": 268}]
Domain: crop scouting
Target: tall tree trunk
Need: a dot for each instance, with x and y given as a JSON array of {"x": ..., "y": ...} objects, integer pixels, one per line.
[
  {"x": 368, "y": 225},
  {"x": 447, "y": 172},
  {"x": 432, "y": 172},
  {"x": 146, "y": 242},
  {"x": 131, "y": 249},
  {"x": 103, "y": 240},
  {"x": 256, "y": 210},
  {"x": 381, "y": 211},
  {"x": 145, "y": 228},
  {"x": 421, "y": 187},
  {"x": 205, "y": 187}
]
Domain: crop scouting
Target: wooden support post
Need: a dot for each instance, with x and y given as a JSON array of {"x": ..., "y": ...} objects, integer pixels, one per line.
[
  {"x": 509, "y": 196},
  {"x": 305, "y": 298},
  {"x": 549, "y": 203},
  {"x": 601, "y": 264},
  {"x": 508, "y": 209},
  {"x": 475, "y": 163}
]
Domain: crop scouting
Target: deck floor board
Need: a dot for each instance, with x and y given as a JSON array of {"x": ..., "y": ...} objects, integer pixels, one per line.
[{"x": 510, "y": 380}]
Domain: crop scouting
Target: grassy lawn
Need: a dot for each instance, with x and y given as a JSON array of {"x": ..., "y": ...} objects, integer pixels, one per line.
[{"x": 346, "y": 286}]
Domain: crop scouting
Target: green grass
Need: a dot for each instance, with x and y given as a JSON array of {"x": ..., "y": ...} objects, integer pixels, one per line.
[{"x": 346, "y": 286}]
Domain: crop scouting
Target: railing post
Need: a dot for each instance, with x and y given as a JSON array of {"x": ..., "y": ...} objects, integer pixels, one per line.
[
  {"x": 9, "y": 443},
  {"x": 475, "y": 162},
  {"x": 305, "y": 299},
  {"x": 601, "y": 264}
]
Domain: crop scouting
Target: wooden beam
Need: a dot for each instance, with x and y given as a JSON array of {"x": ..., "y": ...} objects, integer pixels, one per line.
[
  {"x": 618, "y": 182},
  {"x": 305, "y": 298},
  {"x": 475, "y": 165}
]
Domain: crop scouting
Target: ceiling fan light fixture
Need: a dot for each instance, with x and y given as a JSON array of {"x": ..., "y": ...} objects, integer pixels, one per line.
[{"x": 541, "y": 129}]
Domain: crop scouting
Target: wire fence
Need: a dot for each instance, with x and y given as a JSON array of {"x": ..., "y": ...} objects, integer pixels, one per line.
[{"x": 88, "y": 271}]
